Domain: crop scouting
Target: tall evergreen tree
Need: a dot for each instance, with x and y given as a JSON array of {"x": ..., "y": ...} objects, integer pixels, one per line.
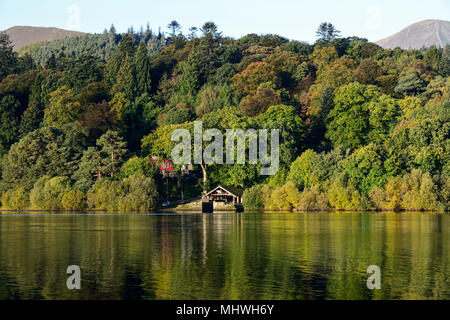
[
  {"x": 327, "y": 32},
  {"x": 51, "y": 62},
  {"x": 126, "y": 47},
  {"x": 126, "y": 79},
  {"x": 444, "y": 63},
  {"x": 34, "y": 114},
  {"x": 8, "y": 58},
  {"x": 9, "y": 122},
  {"x": 114, "y": 149},
  {"x": 142, "y": 67},
  {"x": 81, "y": 71}
]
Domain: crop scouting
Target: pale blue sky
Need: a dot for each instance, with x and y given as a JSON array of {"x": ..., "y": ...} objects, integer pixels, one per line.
[{"x": 293, "y": 19}]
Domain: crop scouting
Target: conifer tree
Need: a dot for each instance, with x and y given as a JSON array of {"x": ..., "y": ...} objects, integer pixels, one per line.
[
  {"x": 142, "y": 65},
  {"x": 125, "y": 47},
  {"x": 34, "y": 114},
  {"x": 8, "y": 58},
  {"x": 126, "y": 79}
]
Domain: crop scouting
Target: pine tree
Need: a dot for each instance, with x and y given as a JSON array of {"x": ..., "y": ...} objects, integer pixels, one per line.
[
  {"x": 142, "y": 65},
  {"x": 34, "y": 114},
  {"x": 327, "y": 32},
  {"x": 126, "y": 47},
  {"x": 444, "y": 63},
  {"x": 9, "y": 124},
  {"x": 8, "y": 58},
  {"x": 190, "y": 82},
  {"x": 113, "y": 149},
  {"x": 51, "y": 62},
  {"x": 126, "y": 79}
]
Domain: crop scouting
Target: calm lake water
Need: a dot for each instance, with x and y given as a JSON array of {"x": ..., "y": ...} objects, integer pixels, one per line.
[{"x": 226, "y": 256}]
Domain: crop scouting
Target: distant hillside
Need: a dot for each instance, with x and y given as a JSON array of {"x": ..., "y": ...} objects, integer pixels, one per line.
[
  {"x": 426, "y": 33},
  {"x": 99, "y": 45},
  {"x": 22, "y": 36}
]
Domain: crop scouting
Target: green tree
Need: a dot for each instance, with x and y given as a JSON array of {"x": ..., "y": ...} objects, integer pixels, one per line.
[
  {"x": 384, "y": 113},
  {"x": 142, "y": 66},
  {"x": 74, "y": 200},
  {"x": 53, "y": 193},
  {"x": 138, "y": 165},
  {"x": 45, "y": 151},
  {"x": 126, "y": 47},
  {"x": 291, "y": 129},
  {"x": 114, "y": 149},
  {"x": 301, "y": 171},
  {"x": 34, "y": 114},
  {"x": 9, "y": 122},
  {"x": 64, "y": 108},
  {"x": 102, "y": 161},
  {"x": 89, "y": 168},
  {"x": 190, "y": 81},
  {"x": 82, "y": 71},
  {"x": 432, "y": 57},
  {"x": 349, "y": 119},
  {"x": 444, "y": 62},
  {"x": 126, "y": 79},
  {"x": 8, "y": 58},
  {"x": 326, "y": 32},
  {"x": 174, "y": 27},
  {"x": 410, "y": 84},
  {"x": 25, "y": 63}
]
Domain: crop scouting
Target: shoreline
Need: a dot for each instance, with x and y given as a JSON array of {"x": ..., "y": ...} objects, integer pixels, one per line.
[{"x": 174, "y": 210}]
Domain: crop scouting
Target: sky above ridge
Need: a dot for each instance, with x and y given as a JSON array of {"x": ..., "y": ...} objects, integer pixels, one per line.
[{"x": 293, "y": 19}]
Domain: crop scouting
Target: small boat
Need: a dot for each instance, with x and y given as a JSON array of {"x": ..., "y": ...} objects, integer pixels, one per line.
[{"x": 166, "y": 204}]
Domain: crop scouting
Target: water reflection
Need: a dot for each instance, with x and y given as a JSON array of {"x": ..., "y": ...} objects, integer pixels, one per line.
[{"x": 226, "y": 256}]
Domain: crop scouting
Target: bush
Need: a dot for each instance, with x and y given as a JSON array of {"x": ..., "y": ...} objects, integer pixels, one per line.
[
  {"x": 53, "y": 192},
  {"x": 140, "y": 194},
  {"x": 414, "y": 191},
  {"x": 37, "y": 194},
  {"x": 421, "y": 193},
  {"x": 285, "y": 198},
  {"x": 378, "y": 198},
  {"x": 135, "y": 193},
  {"x": 313, "y": 199},
  {"x": 345, "y": 196},
  {"x": 266, "y": 195},
  {"x": 74, "y": 200},
  {"x": 105, "y": 195},
  {"x": 17, "y": 199},
  {"x": 252, "y": 198}
]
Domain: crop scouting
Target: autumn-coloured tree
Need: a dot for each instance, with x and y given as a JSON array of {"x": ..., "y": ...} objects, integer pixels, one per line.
[
  {"x": 324, "y": 56},
  {"x": 260, "y": 102},
  {"x": 368, "y": 71},
  {"x": 98, "y": 118},
  {"x": 257, "y": 73}
]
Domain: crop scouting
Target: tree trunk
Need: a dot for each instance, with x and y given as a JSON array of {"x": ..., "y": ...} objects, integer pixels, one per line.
[{"x": 205, "y": 177}]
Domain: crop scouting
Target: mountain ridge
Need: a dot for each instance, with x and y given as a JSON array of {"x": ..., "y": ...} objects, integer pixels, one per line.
[
  {"x": 421, "y": 34},
  {"x": 22, "y": 36}
]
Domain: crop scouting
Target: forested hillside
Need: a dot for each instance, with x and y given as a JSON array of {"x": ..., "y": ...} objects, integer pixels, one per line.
[
  {"x": 360, "y": 127},
  {"x": 100, "y": 46}
]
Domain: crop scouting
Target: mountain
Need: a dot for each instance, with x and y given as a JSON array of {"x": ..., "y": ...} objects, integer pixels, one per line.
[
  {"x": 22, "y": 36},
  {"x": 421, "y": 34}
]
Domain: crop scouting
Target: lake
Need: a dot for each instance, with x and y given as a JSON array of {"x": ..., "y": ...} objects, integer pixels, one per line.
[{"x": 225, "y": 255}]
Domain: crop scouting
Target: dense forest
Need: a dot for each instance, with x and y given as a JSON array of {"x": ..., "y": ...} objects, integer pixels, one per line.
[{"x": 361, "y": 127}]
